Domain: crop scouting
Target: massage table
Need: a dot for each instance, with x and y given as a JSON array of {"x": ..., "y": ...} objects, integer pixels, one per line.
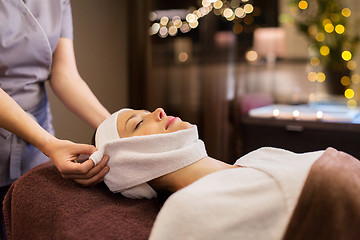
[{"x": 43, "y": 205}]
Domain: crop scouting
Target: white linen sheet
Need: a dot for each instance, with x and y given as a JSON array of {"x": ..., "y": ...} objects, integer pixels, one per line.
[{"x": 251, "y": 202}]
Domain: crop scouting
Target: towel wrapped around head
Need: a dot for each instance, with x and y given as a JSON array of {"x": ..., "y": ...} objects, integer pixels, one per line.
[{"x": 136, "y": 160}]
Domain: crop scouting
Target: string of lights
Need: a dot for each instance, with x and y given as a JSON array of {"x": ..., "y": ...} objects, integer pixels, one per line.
[{"x": 231, "y": 10}]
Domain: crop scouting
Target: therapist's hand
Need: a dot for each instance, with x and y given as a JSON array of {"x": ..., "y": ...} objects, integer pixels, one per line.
[{"x": 65, "y": 155}]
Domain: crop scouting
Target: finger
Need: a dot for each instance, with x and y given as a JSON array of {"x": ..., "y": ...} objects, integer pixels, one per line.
[
  {"x": 85, "y": 149},
  {"x": 95, "y": 179},
  {"x": 88, "y": 170},
  {"x": 72, "y": 168}
]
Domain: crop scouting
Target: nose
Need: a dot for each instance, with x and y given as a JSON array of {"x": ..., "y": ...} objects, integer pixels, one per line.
[{"x": 159, "y": 114}]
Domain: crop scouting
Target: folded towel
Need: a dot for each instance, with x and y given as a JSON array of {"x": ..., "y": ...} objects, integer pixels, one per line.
[
  {"x": 136, "y": 160},
  {"x": 107, "y": 130}
]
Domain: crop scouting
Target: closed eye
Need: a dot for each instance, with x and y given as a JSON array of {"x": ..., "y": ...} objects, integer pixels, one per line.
[{"x": 137, "y": 125}]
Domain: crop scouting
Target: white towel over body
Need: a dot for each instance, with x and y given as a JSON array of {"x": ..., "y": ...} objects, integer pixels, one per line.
[{"x": 251, "y": 202}]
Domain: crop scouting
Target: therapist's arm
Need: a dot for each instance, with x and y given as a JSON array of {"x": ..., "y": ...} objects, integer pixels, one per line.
[
  {"x": 63, "y": 153},
  {"x": 71, "y": 89}
]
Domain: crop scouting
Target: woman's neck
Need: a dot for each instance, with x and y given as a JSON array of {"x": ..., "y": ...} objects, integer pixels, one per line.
[{"x": 183, "y": 177}]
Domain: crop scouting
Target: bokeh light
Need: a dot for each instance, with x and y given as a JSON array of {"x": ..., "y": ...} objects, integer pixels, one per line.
[
  {"x": 303, "y": 5},
  {"x": 355, "y": 78},
  {"x": 351, "y": 65},
  {"x": 324, "y": 50},
  {"x": 312, "y": 76},
  {"x": 349, "y": 93},
  {"x": 183, "y": 57},
  {"x": 251, "y": 56},
  {"x": 329, "y": 28},
  {"x": 346, "y": 55},
  {"x": 339, "y": 29},
  {"x": 320, "y": 37},
  {"x": 352, "y": 103},
  {"x": 320, "y": 77},
  {"x": 314, "y": 61},
  {"x": 346, "y": 12},
  {"x": 345, "y": 81}
]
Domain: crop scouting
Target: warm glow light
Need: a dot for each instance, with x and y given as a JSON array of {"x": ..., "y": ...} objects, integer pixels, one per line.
[
  {"x": 312, "y": 76},
  {"x": 276, "y": 112},
  {"x": 326, "y": 21},
  {"x": 164, "y": 20},
  {"x": 355, "y": 79},
  {"x": 251, "y": 56},
  {"x": 248, "y": 8},
  {"x": 349, "y": 93},
  {"x": 296, "y": 114},
  {"x": 312, "y": 30},
  {"x": 320, "y": 37},
  {"x": 232, "y": 17},
  {"x": 183, "y": 57},
  {"x": 238, "y": 28},
  {"x": 155, "y": 28},
  {"x": 351, "y": 65},
  {"x": 346, "y": 55},
  {"x": 303, "y": 5},
  {"x": 152, "y": 16},
  {"x": 239, "y": 12},
  {"x": 351, "y": 103},
  {"x": 320, "y": 77},
  {"x": 339, "y": 29},
  {"x": 319, "y": 114},
  {"x": 228, "y": 13},
  {"x": 235, "y": 3},
  {"x": 329, "y": 28},
  {"x": 163, "y": 32},
  {"x": 346, "y": 12},
  {"x": 177, "y": 23},
  {"x": 314, "y": 61},
  {"x": 185, "y": 27},
  {"x": 345, "y": 81},
  {"x": 191, "y": 17},
  {"x": 206, "y": 3},
  {"x": 324, "y": 50},
  {"x": 218, "y": 4},
  {"x": 194, "y": 24},
  {"x": 172, "y": 31},
  {"x": 248, "y": 19}
]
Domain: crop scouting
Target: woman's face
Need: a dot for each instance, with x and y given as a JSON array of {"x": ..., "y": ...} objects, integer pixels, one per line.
[{"x": 141, "y": 122}]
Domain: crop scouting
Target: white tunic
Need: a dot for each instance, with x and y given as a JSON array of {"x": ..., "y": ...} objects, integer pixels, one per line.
[{"x": 255, "y": 201}]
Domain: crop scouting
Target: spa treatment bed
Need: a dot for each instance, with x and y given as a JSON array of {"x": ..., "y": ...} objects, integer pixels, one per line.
[{"x": 43, "y": 205}]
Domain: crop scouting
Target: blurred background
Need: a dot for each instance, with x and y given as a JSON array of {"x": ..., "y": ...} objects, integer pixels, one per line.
[{"x": 206, "y": 61}]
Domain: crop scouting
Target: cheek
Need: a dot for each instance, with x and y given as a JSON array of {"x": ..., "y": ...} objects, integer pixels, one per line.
[
  {"x": 149, "y": 129},
  {"x": 182, "y": 126}
]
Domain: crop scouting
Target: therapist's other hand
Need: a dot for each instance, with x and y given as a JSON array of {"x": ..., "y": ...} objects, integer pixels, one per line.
[{"x": 65, "y": 155}]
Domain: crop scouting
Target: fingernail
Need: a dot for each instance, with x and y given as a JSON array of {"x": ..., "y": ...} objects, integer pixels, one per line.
[{"x": 106, "y": 169}]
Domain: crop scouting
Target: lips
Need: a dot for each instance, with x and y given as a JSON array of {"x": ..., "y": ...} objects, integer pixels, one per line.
[{"x": 170, "y": 121}]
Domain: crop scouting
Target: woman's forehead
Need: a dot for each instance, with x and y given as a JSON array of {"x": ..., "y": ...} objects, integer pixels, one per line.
[{"x": 124, "y": 115}]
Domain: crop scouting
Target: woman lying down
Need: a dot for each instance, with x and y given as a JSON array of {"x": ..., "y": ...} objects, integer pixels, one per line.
[{"x": 267, "y": 194}]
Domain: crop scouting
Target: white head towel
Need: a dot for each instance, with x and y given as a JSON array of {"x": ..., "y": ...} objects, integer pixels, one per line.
[{"x": 136, "y": 160}]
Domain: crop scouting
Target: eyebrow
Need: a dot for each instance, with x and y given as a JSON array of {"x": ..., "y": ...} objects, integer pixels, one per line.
[{"x": 131, "y": 117}]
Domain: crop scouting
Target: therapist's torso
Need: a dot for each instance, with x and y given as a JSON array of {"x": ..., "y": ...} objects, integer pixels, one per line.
[{"x": 29, "y": 33}]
